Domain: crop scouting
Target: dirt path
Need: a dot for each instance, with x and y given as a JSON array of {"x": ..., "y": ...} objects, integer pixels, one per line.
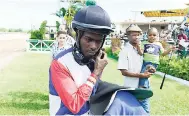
[{"x": 11, "y": 46}]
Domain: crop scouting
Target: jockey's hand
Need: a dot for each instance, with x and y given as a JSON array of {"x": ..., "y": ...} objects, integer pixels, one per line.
[{"x": 101, "y": 62}]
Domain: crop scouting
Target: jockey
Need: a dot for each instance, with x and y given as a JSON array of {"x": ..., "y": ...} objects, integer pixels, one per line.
[{"x": 75, "y": 86}]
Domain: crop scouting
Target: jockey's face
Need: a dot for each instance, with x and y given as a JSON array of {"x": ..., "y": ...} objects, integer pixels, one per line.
[{"x": 90, "y": 43}]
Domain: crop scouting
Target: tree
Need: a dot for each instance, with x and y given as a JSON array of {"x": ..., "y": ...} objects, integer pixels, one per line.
[
  {"x": 75, "y": 6},
  {"x": 15, "y": 30},
  {"x": 36, "y": 34},
  {"x": 57, "y": 26},
  {"x": 61, "y": 13},
  {"x": 18, "y": 30},
  {"x": 42, "y": 28},
  {"x": 39, "y": 34},
  {"x": 69, "y": 15},
  {"x": 90, "y": 2},
  {"x": 3, "y": 30}
]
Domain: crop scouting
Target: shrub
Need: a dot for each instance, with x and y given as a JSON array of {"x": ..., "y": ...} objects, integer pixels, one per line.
[
  {"x": 177, "y": 67},
  {"x": 108, "y": 51},
  {"x": 36, "y": 35},
  {"x": 114, "y": 55},
  {"x": 57, "y": 26},
  {"x": 39, "y": 34}
]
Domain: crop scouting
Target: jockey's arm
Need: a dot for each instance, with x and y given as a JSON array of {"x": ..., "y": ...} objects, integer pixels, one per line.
[{"x": 73, "y": 97}]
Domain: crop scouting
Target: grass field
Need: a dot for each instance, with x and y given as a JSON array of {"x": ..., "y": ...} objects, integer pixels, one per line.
[
  {"x": 24, "y": 88},
  {"x": 24, "y": 85}
]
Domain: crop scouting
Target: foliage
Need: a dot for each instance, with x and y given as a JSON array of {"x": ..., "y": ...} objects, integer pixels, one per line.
[
  {"x": 42, "y": 28},
  {"x": 57, "y": 26},
  {"x": 39, "y": 34},
  {"x": 69, "y": 16},
  {"x": 114, "y": 55},
  {"x": 70, "y": 13},
  {"x": 36, "y": 34},
  {"x": 116, "y": 42},
  {"x": 77, "y": 6},
  {"x": 61, "y": 12},
  {"x": 15, "y": 30},
  {"x": 3, "y": 30},
  {"x": 90, "y": 2},
  {"x": 52, "y": 38},
  {"x": 177, "y": 67},
  {"x": 108, "y": 51}
]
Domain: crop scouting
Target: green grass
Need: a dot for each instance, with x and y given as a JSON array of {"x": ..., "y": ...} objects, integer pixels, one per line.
[
  {"x": 24, "y": 85},
  {"x": 24, "y": 88}
]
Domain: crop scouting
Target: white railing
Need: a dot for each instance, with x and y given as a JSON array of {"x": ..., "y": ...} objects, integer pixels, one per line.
[
  {"x": 46, "y": 45},
  {"x": 39, "y": 45}
]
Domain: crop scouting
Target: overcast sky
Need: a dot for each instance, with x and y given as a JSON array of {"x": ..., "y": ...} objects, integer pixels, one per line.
[{"x": 24, "y": 13}]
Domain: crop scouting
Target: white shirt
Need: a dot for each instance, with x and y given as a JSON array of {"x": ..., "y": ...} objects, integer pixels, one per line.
[
  {"x": 70, "y": 41},
  {"x": 130, "y": 60}
]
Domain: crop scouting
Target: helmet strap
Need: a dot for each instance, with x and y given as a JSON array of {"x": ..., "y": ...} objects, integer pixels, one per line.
[{"x": 77, "y": 53}]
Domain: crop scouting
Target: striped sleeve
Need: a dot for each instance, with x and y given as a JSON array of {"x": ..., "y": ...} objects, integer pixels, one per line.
[
  {"x": 72, "y": 96},
  {"x": 53, "y": 50}
]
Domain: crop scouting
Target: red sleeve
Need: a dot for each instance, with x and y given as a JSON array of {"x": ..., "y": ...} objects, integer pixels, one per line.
[
  {"x": 185, "y": 37},
  {"x": 72, "y": 96},
  {"x": 178, "y": 36}
]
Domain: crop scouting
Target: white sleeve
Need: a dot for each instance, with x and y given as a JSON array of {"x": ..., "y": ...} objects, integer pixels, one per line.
[{"x": 123, "y": 61}]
